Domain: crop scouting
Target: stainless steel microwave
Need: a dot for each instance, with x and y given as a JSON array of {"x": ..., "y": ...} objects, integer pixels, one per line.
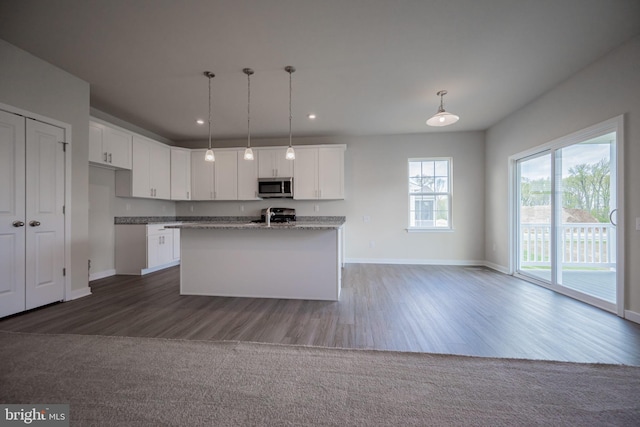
[{"x": 275, "y": 187}]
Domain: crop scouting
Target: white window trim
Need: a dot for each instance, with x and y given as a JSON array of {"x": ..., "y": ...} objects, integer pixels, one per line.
[{"x": 450, "y": 227}]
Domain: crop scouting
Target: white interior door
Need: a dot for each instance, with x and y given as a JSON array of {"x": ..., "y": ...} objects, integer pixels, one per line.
[
  {"x": 12, "y": 214},
  {"x": 44, "y": 220}
]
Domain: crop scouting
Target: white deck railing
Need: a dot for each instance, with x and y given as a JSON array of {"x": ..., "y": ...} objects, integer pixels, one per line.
[{"x": 582, "y": 244}]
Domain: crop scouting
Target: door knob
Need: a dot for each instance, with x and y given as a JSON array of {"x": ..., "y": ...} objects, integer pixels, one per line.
[
  {"x": 18, "y": 224},
  {"x": 34, "y": 223}
]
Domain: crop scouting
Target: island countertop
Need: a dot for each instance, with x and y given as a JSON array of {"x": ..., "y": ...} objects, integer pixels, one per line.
[{"x": 231, "y": 225}]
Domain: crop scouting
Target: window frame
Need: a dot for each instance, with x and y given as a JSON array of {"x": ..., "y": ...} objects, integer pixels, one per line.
[{"x": 448, "y": 194}]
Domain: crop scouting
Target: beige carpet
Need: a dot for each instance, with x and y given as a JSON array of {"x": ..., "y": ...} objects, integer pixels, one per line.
[{"x": 144, "y": 381}]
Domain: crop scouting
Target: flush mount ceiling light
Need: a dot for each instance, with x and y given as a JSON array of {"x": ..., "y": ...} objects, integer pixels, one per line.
[
  {"x": 290, "y": 155},
  {"x": 442, "y": 118},
  {"x": 208, "y": 156},
  {"x": 248, "y": 153}
]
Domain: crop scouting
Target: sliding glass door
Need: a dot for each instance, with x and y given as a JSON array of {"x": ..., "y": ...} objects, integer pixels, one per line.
[{"x": 566, "y": 211}]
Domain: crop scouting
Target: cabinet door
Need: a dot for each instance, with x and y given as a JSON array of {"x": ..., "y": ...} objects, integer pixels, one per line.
[
  {"x": 153, "y": 250},
  {"x": 140, "y": 176},
  {"x": 176, "y": 244},
  {"x": 226, "y": 175},
  {"x": 165, "y": 253},
  {"x": 201, "y": 176},
  {"x": 96, "y": 138},
  {"x": 117, "y": 144},
  {"x": 284, "y": 167},
  {"x": 247, "y": 178},
  {"x": 305, "y": 182},
  {"x": 265, "y": 158},
  {"x": 180, "y": 174},
  {"x": 160, "y": 170},
  {"x": 330, "y": 172}
]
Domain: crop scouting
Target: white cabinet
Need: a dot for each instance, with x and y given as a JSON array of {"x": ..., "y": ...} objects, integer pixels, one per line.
[
  {"x": 214, "y": 180},
  {"x": 201, "y": 176},
  {"x": 180, "y": 174},
  {"x": 109, "y": 146},
  {"x": 226, "y": 175},
  {"x": 319, "y": 173},
  {"x": 247, "y": 178},
  {"x": 142, "y": 249},
  {"x": 272, "y": 163},
  {"x": 150, "y": 175}
]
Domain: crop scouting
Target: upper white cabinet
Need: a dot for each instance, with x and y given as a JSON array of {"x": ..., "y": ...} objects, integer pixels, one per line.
[
  {"x": 214, "y": 180},
  {"x": 272, "y": 163},
  {"x": 201, "y": 176},
  {"x": 247, "y": 178},
  {"x": 150, "y": 175},
  {"x": 319, "y": 173},
  {"x": 180, "y": 174},
  {"x": 109, "y": 146},
  {"x": 226, "y": 175}
]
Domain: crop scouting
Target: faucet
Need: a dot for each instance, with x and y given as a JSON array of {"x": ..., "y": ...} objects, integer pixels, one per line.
[{"x": 267, "y": 215}]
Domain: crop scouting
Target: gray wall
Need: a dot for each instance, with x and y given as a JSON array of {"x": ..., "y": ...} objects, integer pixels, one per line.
[
  {"x": 36, "y": 86},
  {"x": 607, "y": 88}
]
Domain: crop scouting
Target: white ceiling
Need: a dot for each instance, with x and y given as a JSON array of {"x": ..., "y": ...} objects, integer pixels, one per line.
[{"x": 363, "y": 66}]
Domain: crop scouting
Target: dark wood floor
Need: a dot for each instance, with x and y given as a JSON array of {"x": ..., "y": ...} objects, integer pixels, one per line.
[{"x": 457, "y": 310}]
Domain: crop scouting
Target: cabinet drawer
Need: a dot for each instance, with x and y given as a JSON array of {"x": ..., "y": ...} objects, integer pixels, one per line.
[{"x": 155, "y": 229}]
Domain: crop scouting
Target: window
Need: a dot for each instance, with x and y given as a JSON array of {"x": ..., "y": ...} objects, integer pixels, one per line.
[{"x": 430, "y": 193}]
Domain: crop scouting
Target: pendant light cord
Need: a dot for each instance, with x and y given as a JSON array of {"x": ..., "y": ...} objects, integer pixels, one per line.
[
  {"x": 209, "y": 76},
  {"x": 291, "y": 70},
  {"x": 248, "y": 110}
]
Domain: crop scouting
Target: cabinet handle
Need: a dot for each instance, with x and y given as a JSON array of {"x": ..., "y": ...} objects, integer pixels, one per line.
[
  {"x": 319, "y": 194},
  {"x": 187, "y": 195},
  {"x": 105, "y": 156},
  {"x": 110, "y": 158},
  {"x": 151, "y": 192}
]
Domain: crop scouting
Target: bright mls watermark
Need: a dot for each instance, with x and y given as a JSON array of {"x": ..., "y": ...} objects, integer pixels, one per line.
[{"x": 34, "y": 414}]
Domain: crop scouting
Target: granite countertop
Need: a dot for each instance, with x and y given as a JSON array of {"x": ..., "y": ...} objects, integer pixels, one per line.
[{"x": 238, "y": 223}]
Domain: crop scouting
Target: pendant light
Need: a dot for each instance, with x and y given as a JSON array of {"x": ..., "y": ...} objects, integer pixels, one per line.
[
  {"x": 442, "y": 118},
  {"x": 290, "y": 155},
  {"x": 248, "y": 152},
  {"x": 208, "y": 156}
]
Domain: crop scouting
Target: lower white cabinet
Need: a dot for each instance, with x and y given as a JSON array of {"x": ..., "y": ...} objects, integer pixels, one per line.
[{"x": 142, "y": 249}]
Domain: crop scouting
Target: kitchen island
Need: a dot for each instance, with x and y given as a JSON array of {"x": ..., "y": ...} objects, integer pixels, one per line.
[{"x": 298, "y": 260}]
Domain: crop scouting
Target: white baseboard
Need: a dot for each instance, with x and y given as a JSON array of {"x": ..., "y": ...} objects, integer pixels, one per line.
[
  {"x": 79, "y": 293},
  {"x": 497, "y": 267},
  {"x": 413, "y": 261},
  {"x": 632, "y": 316},
  {"x": 102, "y": 275},
  {"x": 158, "y": 268}
]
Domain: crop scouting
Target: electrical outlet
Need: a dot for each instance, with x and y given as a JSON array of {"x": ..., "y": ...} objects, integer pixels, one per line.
[
  {"x": 191, "y": 208},
  {"x": 372, "y": 243},
  {"x": 128, "y": 206},
  {"x": 241, "y": 208},
  {"x": 316, "y": 208}
]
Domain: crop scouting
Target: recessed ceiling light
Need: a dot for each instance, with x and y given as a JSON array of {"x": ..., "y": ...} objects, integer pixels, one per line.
[
  {"x": 311, "y": 116},
  {"x": 200, "y": 121}
]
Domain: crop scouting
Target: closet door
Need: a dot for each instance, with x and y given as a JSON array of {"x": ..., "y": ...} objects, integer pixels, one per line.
[
  {"x": 12, "y": 214},
  {"x": 44, "y": 223}
]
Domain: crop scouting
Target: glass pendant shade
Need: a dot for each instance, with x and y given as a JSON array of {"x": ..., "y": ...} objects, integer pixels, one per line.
[
  {"x": 248, "y": 154},
  {"x": 442, "y": 118},
  {"x": 290, "y": 155},
  {"x": 209, "y": 157}
]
